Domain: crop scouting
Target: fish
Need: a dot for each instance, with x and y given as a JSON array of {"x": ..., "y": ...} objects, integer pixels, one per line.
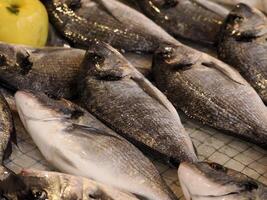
[
  {"x": 212, "y": 181},
  {"x": 122, "y": 98},
  {"x": 243, "y": 45},
  {"x": 210, "y": 91},
  {"x": 41, "y": 185},
  {"x": 52, "y": 70},
  {"x": 9, "y": 97},
  {"x": 99, "y": 25},
  {"x": 259, "y": 4},
  {"x": 75, "y": 142},
  {"x": 8, "y": 179},
  {"x": 193, "y": 20}
]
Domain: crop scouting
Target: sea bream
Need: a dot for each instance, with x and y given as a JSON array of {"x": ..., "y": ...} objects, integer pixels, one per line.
[
  {"x": 116, "y": 93},
  {"x": 242, "y": 44},
  {"x": 211, "y": 181},
  {"x": 8, "y": 180},
  {"x": 52, "y": 70},
  {"x": 210, "y": 91},
  {"x": 195, "y": 20},
  {"x": 43, "y": 185},
  {"x": 75, "y": 142},
  {"x": 259, "y": 4},
  {"x": 98, "y": 24}
]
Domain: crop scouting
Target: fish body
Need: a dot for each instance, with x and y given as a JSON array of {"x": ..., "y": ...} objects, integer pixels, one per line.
[
  {"x": 128, "y": 103},
  {"x": 52, "y": 70},
  {"x": 196, "y": 20},
  {"x": 243, "y": 45},
  {"x": 97, "y": 24},
  {"x": 59, "y": 186},
  {"x": 211, "y": 181},
  {"x": 259, "y": 4},
  {"x": 210, "y": 91},
  {"x": 75, "y": 142}
]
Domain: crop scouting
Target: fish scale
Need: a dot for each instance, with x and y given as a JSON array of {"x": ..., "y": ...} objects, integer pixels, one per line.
[
  {"x": 133, "y": 110},
  {"x": 206, "y": 94},
  {"x": 81, "y": 31},
  {"x": 85, "y": 147}
]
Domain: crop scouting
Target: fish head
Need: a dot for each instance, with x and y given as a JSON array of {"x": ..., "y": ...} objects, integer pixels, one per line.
[
  {"x": 245, "y": 22},
  {"x": 205, "y": 180},
  {"x": 105, "y": 62},
  {"x": 175, "y": 57},
  {"x": 37, "y": 106},
  {"x": 15, "y": 63},
  {"x": 41, "y": 185}
]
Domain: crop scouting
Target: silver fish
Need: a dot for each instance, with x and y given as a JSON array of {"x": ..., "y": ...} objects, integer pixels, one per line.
[
  {"x": 210, "y": 91},
  {"x": 41, "y": 185},
  {"x": 242, "y": 44},
  {"x": 75, "y": 142},
  {"x": 211, "y": 181},
  {"x": 52, "y": 70},
  {"x": 116, "y": 93}
]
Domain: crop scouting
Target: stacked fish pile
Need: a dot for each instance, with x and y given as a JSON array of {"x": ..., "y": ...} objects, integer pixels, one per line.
[{"x": 93, "y": 109}]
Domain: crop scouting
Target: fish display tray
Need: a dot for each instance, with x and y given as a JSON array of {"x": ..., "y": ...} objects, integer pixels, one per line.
[{"x": 211, "y": 145}]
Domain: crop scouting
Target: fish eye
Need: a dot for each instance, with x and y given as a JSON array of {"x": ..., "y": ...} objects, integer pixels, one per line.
[
  {"x": 166, "y": 52},
  {"x": 39, "y": 195},
  {"x": 2, "y": 60},
  {"x": 95, "y": 58},
  {"x": 217, "y": 167},
  {"x": 250, "y": 185}
]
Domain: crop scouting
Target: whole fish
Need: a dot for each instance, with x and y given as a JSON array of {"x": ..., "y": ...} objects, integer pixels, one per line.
[
  {"x": 210, "y": 91},
  {"x": 41, "y": 185},
  {"x": 100, "y": 25},
  {"x": 196, "y": 20},
  {"x": 75, "y": 142},
  {"x": 116, "y": 93},
  {"x": 211, "y": 181},
  {"x": 243, "y": 45},
  {"x": 259, "y": 4},
  {"x": 52, "y": 70}
]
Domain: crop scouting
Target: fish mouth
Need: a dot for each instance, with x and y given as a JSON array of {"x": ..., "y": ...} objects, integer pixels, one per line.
[{"x": 206, "y": 191}]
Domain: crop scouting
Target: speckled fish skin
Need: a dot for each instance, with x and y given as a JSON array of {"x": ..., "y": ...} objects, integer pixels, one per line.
[
  {"x": 259, "y": 4},
  {"x": 124, "y": 100},
  {"x": 6, "y": 129},
  {"x": 83, "y": 146},
  {"x": 186, "y": 19},
  {"x": 42, "y": 185},
  {"x": 202, "y": 181},
  {"x": 81, "y": 31},
  {"x": 8, "y": 180},
  {"x": 210, "y": 91},
  {"x": 243, "y": 45},
  {"x": 52, "y": 70}
]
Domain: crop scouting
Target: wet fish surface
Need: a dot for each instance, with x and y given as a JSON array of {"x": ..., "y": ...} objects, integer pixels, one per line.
[
  {"x": 40, "y": 185},
  {"x": 210, "y": 91},
  {"x": 8, "y": 180},
  {"x": 98, "y": 24},
  {"x": 128, "y": 103},
  {"x": 259, "y": 4},
  {"x": 243, "y": 45},
  {"x": 196, "y": 20},
  {"x": 203, "y": 181},
  {"x": 52, "y": 70},
  {"x": 83, "y": 146}
]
